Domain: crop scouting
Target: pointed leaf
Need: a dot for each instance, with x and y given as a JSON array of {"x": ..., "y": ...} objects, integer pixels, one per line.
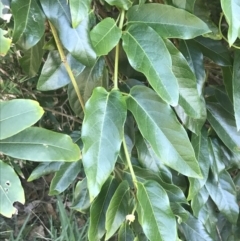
[
  {"x": 125, "y": 233},
  {"x": 75, "y": 40},
  {"x": 5, "y": 43},
  {"x": 231, "y": 11},
  {"x": 54, "y": 74},
  {"x": 49, "y": 146},
  {"x": 223, "y": 194},
  {"x": 64, "y": 177},
  {"x": 28, "y": 22},
  {"x": 102, "y": 134},
  {"x": 17, "y": 115},
  {"x": 122, "y": 4},
  {"x": 159, "y": 125},
  {"x": 156, "y": 218},
  {"x": 11, "y": 190},
  {"x": 236, "y": 87},
  {"x": 118, "y": 209},
  {"x": 168, "y": 21},
  {"x": 145, "y": 58},
  {"x": 99, "y": 208},
  {"x": 105, "y": 36}
]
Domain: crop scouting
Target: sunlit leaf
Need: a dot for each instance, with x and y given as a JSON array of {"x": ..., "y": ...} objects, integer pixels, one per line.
[{"x": 5, "y": 43}]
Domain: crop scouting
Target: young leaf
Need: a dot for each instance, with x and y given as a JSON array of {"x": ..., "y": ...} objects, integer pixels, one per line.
[
  {"x": 159, "y": 125},
  {"x": 122, "y": 4},
  {"x": 54, "y": 74},
  {"x": 236, "y": 87},
  {"x": 99, "y": 208},
  {"x": 75, "y": 40},
  {"x": 28, "y": 22},
  {"x": 49, "y": 146},
  {"x": 64, "y": 177},
  {"x": 156, "y": 217},
  {"x": 102, "y": 134},
  {"x": 5, "y": 43},
  {"x": 231, "y": 11},
  {"x": 79, "y": 10},
  {"x": 105, "y": 36},
  {"x": 118, "y": 209},
  {"x": 125, "y": 233},
  {"x": 145, "y": 58},
  {"x": 17, "y": 115},
  {"x": 11, "y": 190},
  {"x": 223, "y": 193},
  {"x": 167, "y": 21}
]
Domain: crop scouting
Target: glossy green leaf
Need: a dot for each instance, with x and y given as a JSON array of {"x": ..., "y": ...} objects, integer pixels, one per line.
[
  {"x": 214, "y": 50},
  {"x": 79, "y": 10},
  {"x": 32, "y": 59},
  {"x": 49, "y": 146},
  {"x": 87, "y": 80},
  {"x": 28, "y": 22},
  {"x": 145, "y": 58},
  {"x": 99, "y": 208},
  {"x": 236, "y": 87},
  {"x": 227, "y": 73},
  {"x": 184, "y": 4},
  {"x": 102, "y": 134},
  {"x": 11, "y": 190},
  {"x": 156, "y": 217},
  {"x": 200, "y": 146},
  {"x": 75, "y": 40},
  {"x": 118, "y": 209},
  {"x": 64, "y": 177},
  {"x": 168, "y": 21},
  {"x": 125, "y": 233},
  {"x": 224, "y": 125},
  {"x": 122, "y": 4},
  {"x": 223, "y": 193},
  {"x": 5, "y": 43},
  {"x": 54, "y": 74},
  {"x": 231, "y": 11},
  {"x": 81, "y": 197},
  {"x": 17, "y": 115},
  {"x": 44, "y": 168},
  {"x": 189, "y": 99},
  {"x": 105, "y": 36},
  {"x": 159, "y": 125}
]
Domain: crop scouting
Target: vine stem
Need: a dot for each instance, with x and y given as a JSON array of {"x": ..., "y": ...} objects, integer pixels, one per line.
[
  {"x": 115, "y": 80},
  {"x": 68, "y": 68},
  {"x": 129, "y": 163}
]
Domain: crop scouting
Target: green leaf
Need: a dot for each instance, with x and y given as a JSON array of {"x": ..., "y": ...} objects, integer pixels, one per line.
[
  {"x": 79, "y": 10},
  {"x": 145, "y": 58},
  {"x": 200, "y": 146},
  {"x": 184, "y": 4},
  {"x": 28, "y": 22},
  {"x": 11, "y": 190},
  {"x": 236, "y": 87},
  {"x": 64, "y": 177},
  {"x": 5, "y": 43},
  {"x": 17, "y": 115},
  {"x": 167, "y": 21},
  {"x": 214, "y": 50},
  {"x": 54, "y": 74},
  {"x": 189, "y": 99},
  {"x": 224, "y": 125},
  {"x": 227, "y": 73},
  {"x": 75, "y": 40},
  {"x": 87, "y": 80},
  {"x": 223, "y": 193},
  {"x": 156, "y": 217},
  {"x": 118, "y": 209},
  {"x": 102, "y": 134},
  {"x": 105, "y": 36},
  {"x": 122, "y": 4},
  {"x": 81, "y": 197},
  {"x": 231, "y": 11},
  {"x": 125, "y": 233},
  {"x": 44, "y": 168},
  {"x": 49, "y": 146},
  {"x": 159, "y": 125},
  {"x": 32, "y": 59},
  {"x": 99, "y": 208}
]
